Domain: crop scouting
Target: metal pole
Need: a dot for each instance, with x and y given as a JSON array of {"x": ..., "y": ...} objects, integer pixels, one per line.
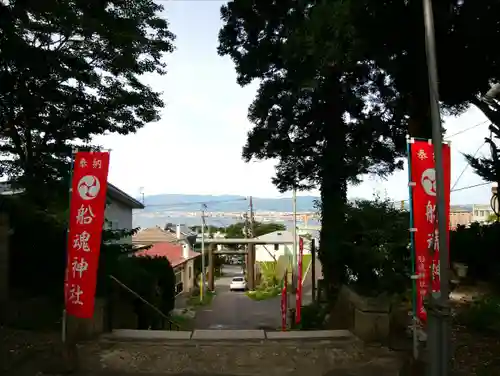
[
  {"x": 313, "y": 269},
  {"x": 64, "y": 321},
  {"x": 202, "y": 287},
  {"x": 251, "y": 250},
  {"x": 440, "y": 327},
  {"x": 294, "y": 234}
]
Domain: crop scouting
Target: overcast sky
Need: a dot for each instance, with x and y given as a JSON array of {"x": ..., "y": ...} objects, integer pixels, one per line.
[{"x": 196, "y": 147}]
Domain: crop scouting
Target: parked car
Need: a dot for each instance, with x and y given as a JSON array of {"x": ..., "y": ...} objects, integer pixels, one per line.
[{"x": 238, "y": 284}]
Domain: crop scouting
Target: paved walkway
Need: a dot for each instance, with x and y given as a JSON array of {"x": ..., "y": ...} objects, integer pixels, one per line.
[{"x": 235, "y": 310}]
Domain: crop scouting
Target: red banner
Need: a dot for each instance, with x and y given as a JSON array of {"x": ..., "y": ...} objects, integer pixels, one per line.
[
  {"x": 298, "y": 304},
  {"x": 426, "y": 235},
  {"x": 284, "y": 302},
  {"x": 88, "y": 202}
]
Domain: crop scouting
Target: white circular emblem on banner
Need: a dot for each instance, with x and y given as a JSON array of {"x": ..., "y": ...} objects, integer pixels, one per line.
[
  {"x": 428, "y": 181},
  {"x": 88, "y": 187}
]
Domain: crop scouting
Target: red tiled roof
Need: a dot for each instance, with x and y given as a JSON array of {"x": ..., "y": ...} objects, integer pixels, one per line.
[{"x": 173, "y": 252}]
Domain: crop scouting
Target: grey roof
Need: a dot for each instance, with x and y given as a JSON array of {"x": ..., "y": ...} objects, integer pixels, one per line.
[
  {"x": 185, "y": 230},
  {"x": 120, "y": 196},
  {"x": 153, "y": 235},
  {"x": 113, "y": 192}
]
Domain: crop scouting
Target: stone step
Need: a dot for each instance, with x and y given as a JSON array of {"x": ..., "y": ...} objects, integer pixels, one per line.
[
  {"x": 227, "y": 335},
  {"x": 225, "y": 354}
]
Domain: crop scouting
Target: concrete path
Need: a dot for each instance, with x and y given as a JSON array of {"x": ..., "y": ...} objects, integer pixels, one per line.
[
  {"x": 307, "y": 286},
  {"x": 234, "y": 310}
]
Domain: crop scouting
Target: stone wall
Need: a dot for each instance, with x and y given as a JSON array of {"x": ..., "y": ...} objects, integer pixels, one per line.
[{"x": 367, "y": 318}]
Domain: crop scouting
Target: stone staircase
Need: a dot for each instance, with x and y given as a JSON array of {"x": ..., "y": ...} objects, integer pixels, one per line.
[{"x": 234, "y": 352}]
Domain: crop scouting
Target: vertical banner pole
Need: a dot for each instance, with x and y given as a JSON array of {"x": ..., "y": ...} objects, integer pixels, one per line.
[
  {"x": 298, "y": 304},
  {"x": 440, "y": 315},
  {"x": 313, "y": 269},
  {"x": 413, "y": 261},
  {"x": 64, "y": 321}
]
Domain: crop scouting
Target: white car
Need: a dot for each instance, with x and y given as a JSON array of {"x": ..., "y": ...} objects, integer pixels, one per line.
[{"x": 238, "y": 283}]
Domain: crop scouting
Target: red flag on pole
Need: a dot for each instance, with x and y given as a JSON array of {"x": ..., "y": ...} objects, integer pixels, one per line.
[
  {"x": 88, "y": 202},
  {"x": 426, "y": 233},
  {"x": 298, "y": 300},
  {"x": 284, "y": 302}
]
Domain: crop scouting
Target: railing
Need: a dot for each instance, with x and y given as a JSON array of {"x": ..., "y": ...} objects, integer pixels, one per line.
[{"x": 153, "y": 307}]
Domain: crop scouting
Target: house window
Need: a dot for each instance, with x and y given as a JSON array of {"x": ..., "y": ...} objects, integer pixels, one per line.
[
  {"x": 189, "y": 272},
  {"x": 276, "y": 247},
  {"x": 179, "y": 287},
  {"x": 178, "y": 277}
]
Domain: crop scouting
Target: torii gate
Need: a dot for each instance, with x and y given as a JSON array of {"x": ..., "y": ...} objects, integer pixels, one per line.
[{"x": 212, "y": 243}]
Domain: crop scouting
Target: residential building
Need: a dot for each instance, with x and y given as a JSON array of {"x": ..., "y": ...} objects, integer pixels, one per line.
[
  {"x": 182, "y": 232},
  {"x": 119, "y": 208},
  {"x": 154, "y": 235},
  {"x": 459, "y": 217},
  {"x": 481, "y": 212},
  {"x": 181, "y": 258},
  {"x": 277, "y": 246}
]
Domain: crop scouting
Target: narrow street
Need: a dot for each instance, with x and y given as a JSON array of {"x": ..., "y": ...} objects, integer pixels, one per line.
[{"x": 234, "y": 310}]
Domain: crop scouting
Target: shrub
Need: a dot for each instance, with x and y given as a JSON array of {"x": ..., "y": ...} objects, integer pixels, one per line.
[
  {"x": 482, "y": 315},
  {"x": 376, "y": 247},
  {"x": 313, "y": 317},
  {"x": 477, "y": 246}
]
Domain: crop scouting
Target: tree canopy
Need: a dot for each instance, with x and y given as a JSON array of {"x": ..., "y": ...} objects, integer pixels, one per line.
[
  {"x": 342, "y": 82},
  {"x": 323, "y": 112},
  {"x": 391, "y": 35},
  {"x": 70, "y": 72}
]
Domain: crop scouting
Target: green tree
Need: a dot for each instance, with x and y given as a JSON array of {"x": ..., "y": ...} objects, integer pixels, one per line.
[
  {"x": 311, "y": 111},
  {"x": 378, "y": 243},
  {"x": 70, "y": 72},
  {"x": 402, "y": 54},
  {"x": 237, "y": 230}
]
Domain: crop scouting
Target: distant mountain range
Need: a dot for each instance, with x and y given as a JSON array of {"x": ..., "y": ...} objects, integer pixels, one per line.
[{"x": 225, "y": 203}]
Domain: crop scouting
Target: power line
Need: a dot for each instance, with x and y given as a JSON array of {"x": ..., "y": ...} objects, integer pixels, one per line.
[
  {"x": 466, "y": 166},
  {"x": 470, "y": 186},
  {"x": 467, "y": 129},
  {"x": 454, "y": 190}
]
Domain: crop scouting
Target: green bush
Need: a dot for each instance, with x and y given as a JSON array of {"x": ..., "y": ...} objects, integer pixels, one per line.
[
  {"x": 376, "y": 247},
  {"x": 477, "y": 246},
  {"x": 313, "y": 316},
  {"x": 482, "y": 315},
  {"x": 263, "y": 294}
]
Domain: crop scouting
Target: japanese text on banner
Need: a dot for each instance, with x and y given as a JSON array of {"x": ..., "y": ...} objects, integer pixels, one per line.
[
  {"x": 88, "y": 201},
  {"x": 426, "y": 236}
]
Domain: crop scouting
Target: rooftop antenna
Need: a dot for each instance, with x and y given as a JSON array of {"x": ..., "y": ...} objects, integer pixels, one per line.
[{"x": 141, "y": 192}]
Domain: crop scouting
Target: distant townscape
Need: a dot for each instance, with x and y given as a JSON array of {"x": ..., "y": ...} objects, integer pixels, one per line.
[{"x": 224, "y": 210}]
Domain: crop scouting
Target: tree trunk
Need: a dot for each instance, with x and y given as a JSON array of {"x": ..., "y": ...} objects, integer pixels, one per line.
[{"x": 333, "y": 188}]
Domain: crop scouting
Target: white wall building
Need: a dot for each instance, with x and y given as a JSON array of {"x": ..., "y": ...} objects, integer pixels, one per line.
[
  {"x": 481, "y": 212},
  {"x": 272, "y": 252},
  {"x": 119, "y": 209}
]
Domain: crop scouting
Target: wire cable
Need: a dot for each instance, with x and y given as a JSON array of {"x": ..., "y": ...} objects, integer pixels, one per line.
[
  {"x": 466, "y": 166},
  {"x": 466, "y": 129}
]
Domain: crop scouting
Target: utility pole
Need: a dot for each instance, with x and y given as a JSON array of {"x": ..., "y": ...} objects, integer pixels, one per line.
[
  {"x": 251, "y": 250},
  {"x": 439, "y": 310},
  {"x": 294, "y": 234},
  {"x": 141, "y": 192},
  {"x": 313, "y": 269},
  {"x": 202, "y": 287}
]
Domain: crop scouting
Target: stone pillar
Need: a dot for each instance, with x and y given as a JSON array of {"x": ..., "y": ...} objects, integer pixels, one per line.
[
  {"x": 4, "y": 258},
  {"x": 211, "y": 266},
  {"x": 84, "y": 329}
]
